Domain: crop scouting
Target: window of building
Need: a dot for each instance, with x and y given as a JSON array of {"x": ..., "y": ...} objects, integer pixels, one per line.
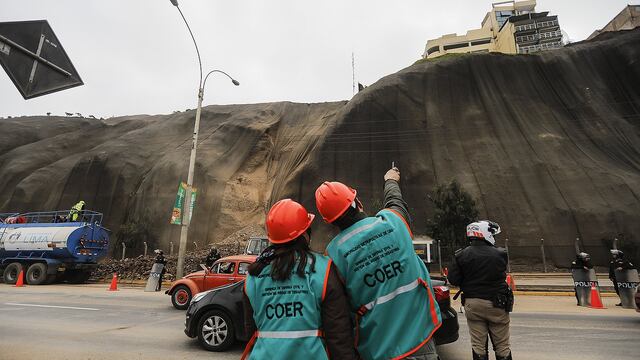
[
  {"x": 481, "y": 42},
  {"x": 503, "y": 16},
  {"x": 433, "y": 49},
  {"x": 456, "y": 46}
]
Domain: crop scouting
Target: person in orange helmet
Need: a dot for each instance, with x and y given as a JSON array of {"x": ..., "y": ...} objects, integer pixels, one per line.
[
  {"x": 294, "y": 302},
  {"x": 388, "y": 285}
]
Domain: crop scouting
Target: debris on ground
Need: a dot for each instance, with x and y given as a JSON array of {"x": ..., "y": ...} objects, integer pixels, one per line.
[{"x": 138, "y": 268}]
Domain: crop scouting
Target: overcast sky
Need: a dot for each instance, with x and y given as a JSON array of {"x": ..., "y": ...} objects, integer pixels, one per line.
[{"x": 136, "y": 56}]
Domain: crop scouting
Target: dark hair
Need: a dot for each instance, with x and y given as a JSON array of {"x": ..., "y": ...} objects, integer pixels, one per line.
[
  {"x": 350, "y": 217},
  {"x": 283, "y": 257}
]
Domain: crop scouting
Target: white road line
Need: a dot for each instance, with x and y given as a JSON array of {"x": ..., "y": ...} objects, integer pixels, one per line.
[{"x": 54, "y": 306}]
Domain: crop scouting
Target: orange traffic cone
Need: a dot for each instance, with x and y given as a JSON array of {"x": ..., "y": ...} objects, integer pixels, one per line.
[
  {"x": 114, "y": 283},
  {"x": 596, "y": 302},
  {"x": 20, "y": 281},
  {"x": 511, "y": 282}
]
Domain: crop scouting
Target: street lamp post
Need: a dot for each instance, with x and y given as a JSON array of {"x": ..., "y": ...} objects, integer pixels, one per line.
[{"x": 186, "y": 217}]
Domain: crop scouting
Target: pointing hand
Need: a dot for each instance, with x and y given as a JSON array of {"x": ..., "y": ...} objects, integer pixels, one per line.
[{"x": 392, "y": 174}]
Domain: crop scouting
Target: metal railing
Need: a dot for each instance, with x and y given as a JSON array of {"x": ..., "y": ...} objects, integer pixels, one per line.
[
  {"x": 538, "y": 25},
  {"x": 58, "y": 216}
]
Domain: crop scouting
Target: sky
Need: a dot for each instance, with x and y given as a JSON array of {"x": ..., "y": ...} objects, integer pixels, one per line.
[{"x": 136, "y": 56}]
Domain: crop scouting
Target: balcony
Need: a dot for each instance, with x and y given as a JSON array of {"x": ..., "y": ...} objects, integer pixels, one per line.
[
  {"x": 550, "y": 34},
  {"x": 539, "y": 47}
]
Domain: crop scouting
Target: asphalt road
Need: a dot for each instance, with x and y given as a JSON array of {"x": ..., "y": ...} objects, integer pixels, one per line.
[{"x": 88, "y": 322}]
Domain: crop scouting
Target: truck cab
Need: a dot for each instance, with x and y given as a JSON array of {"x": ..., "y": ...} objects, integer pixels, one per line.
[{"x": 256, "y": 245}]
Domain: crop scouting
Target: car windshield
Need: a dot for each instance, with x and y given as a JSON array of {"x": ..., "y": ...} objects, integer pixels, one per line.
[
  {"x": 225, "y": 267},
  {"x": 243, "y": 268}
]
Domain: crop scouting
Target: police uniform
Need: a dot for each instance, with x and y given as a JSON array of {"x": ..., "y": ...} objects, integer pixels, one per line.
[{"x": 480, "y": 271}]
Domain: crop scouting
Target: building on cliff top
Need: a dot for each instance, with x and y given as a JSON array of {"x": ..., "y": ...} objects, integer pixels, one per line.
[
  {"x": 627, "y": 19},
  {"x": 511, "y": 27}
]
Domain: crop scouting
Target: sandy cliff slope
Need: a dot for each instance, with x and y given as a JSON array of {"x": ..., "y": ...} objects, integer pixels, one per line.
[{"x": 548, "y": 144}]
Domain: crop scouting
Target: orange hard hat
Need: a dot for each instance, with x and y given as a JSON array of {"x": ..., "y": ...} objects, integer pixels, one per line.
[
  {"x": 333, "y": 199},
  {"x": 286, "y": 221}
]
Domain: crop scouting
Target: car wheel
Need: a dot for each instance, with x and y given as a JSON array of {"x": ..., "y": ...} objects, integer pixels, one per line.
[
  {"x": 181, "y": 297},
  {"x": 11, "y": 273},
  {"x": 215, "y": 331},
  {"x": 37, "y": 274}
]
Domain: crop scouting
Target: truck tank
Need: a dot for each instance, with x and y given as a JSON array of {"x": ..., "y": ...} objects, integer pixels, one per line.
[{"x": 47, "y": 248}]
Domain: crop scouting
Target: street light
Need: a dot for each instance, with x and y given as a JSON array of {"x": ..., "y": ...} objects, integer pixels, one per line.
[{"x": 186, "y": 218}]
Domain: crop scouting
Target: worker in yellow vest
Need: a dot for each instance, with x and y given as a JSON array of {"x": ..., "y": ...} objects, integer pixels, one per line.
[
  {"x": 76, "y": 211},
  {"x": 295, "y": 304}
]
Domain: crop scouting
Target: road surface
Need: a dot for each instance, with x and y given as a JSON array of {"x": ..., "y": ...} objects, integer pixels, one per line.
[{"x": 87, "y": 322}]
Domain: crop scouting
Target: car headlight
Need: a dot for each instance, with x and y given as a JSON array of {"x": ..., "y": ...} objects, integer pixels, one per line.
[{"x": 199, "y": 296}]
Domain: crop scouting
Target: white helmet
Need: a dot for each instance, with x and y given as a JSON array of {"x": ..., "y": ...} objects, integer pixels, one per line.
[{"x": 483, "y": 229}]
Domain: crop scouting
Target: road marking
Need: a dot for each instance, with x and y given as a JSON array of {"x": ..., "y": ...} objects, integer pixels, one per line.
[{"x": 54, "y": 306}]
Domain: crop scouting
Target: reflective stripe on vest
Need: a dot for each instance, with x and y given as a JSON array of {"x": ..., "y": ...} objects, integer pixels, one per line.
[
  {"x": 392, "y": 295},
  {"x": 289, "y": 334}
]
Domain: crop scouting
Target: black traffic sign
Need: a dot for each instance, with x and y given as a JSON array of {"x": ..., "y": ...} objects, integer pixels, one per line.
[{"x": 34, "y": 59}]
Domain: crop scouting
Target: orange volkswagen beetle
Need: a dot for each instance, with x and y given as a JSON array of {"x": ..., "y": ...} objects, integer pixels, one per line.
[{"x": 228, "y": 270}]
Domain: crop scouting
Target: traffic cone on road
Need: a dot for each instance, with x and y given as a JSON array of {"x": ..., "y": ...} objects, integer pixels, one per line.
[
  {"x": 114, "y": 283},
  {"x": 511, "y": 282},
  {"x": 596, "y": 302},
  {"x": 20, "y": 281}
]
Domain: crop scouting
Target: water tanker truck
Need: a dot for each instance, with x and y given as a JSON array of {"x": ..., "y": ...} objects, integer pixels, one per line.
[{"x": 49, "y": 248}]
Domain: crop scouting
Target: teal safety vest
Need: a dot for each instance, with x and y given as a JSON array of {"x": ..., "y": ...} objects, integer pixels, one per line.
[
  {"x": 288, "y": 313},
  {"x": 389, "y": 286}
]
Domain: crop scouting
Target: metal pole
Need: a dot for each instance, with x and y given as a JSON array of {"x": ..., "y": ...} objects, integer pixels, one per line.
[
  {"x": 124, "y": 248},
  {"x": 186, "y": 218},
  {"x": 577, "y": 246},
  {"x": 615, "y": 244},
  {"x": 439, "y": 257},
  {"x": 544, "y": 260},
  {"x": 145, "y": 248},
  {"x": 506, "y": 246}
]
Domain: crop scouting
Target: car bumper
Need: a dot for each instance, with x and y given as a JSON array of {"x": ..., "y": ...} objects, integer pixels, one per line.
[
  {"x": 449, "y": 329},
  {"x": 189, "y": 327}
]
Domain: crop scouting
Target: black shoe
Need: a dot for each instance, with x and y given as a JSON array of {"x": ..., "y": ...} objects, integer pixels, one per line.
[
  {"x": 479, "y": 357},
  {"x": 508, "y": 357},
  {"x": 620, "y": 304}
]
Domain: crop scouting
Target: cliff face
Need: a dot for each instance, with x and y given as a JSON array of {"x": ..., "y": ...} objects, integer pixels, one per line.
[{"x": 548, "y": 144}]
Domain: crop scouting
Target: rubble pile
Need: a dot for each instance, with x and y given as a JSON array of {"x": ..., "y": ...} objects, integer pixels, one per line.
[{"x": 138, "y": 268}]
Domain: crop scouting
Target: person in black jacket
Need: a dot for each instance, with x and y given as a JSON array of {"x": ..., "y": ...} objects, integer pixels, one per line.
[
  {"x": 480, "y": 271},
  {"x": 160, "y": 260},
  {"x": 618, "y": 263},
  {"x": 212, "y": 257}
]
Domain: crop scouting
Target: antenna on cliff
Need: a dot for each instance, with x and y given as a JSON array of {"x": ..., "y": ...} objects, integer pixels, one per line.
[{"x": 353, "y": 73}]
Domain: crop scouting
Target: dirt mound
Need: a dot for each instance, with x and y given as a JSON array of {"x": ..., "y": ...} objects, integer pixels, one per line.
[{"x": 549, "y": 145}]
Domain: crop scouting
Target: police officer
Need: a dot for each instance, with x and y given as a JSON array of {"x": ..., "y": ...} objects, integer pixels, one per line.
[
  {"x": 480, "y": 271},
  {"x": 294, "y": 302},
  {"x": 160, "y": 260},
  {"x": 618, "y": 263},
  {"x": 582, "y": 262},
  {"x": 212, "y": 257},
  {"x": 388, "y": 285}
]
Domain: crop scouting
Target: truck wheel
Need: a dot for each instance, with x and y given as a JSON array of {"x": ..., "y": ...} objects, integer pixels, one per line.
[
  {"x": 11, "y": 273},
  {"x": 76, "y": 276},
  {"x": 37, "y": 274},
  {"x": 181, "y": 297},
  {"x": 215, "y": 331}
]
